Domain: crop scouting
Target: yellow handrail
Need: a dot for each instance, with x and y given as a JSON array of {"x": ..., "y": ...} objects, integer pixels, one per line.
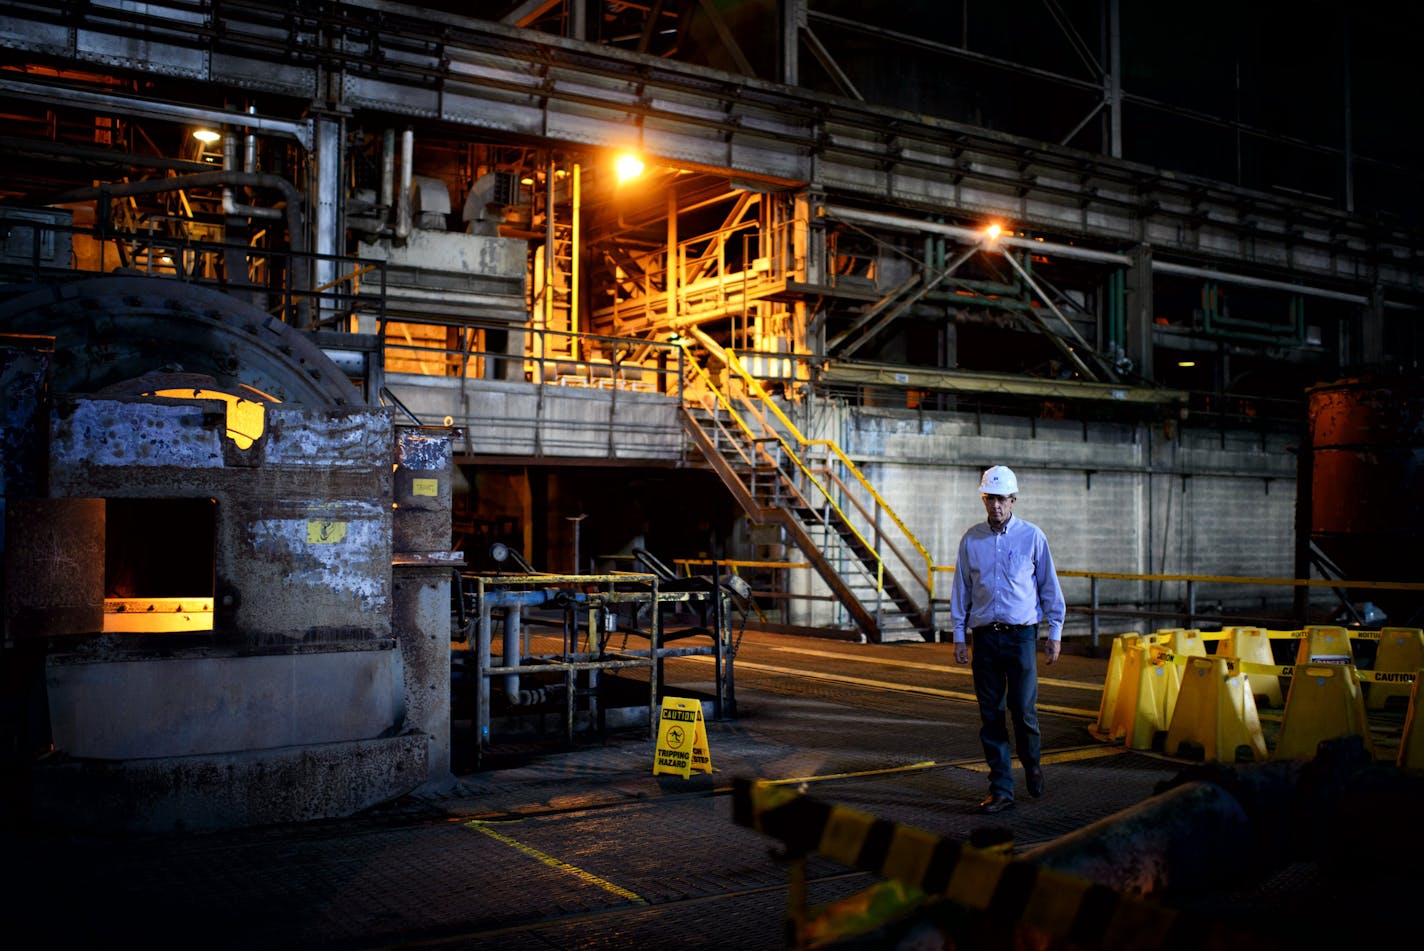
[
  {"x": 845, "y": 460},
  {"x": 707, "y": 380}
]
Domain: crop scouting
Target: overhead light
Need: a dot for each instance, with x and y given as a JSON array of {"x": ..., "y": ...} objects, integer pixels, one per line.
[
  {"x": 627, "y": 165},
  {"x": 1186, "y": 363},
  {"x": 206, "y": 136}
]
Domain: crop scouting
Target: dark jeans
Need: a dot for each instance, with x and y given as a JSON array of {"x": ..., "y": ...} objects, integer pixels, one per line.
[{"x": 1006, "y": 673}]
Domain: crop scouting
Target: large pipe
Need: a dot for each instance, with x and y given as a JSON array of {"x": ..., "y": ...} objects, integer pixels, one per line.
[
  {"x": 299, "y": 129},
  {"x": 513, "y": 647},
  {"x": 1184, "y": 270},
  {"x": 403, "y": 215},
  {"x": 974, "y": 235},
  {"x": 1186, "y": 839},
  {"x": 388, "y": 170},
  {"x": 513, "y": 602},
  {"x": 969, "y": 235},
  {"x": 230, "y": 205},
  {"x": 249, "y": 156}
]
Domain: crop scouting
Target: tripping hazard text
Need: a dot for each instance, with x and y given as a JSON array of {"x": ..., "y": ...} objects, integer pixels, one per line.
[{"x": 682, "y": 739}]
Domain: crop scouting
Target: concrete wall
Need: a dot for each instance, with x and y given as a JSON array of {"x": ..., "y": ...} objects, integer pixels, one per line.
[
  {"x": 1111, "y": 497},
  {"x": 186, "y": 706}
]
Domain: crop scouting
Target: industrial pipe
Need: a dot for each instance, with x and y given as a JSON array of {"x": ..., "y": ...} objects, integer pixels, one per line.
[
  {"x": 388, "y": 171},
  {"x": 513, "y": 647},
  {"x": 514, "y": 602},
  {"x": 249, "y": 157},
  {"x": 969, "y": 235},
  {"x": 229, "y": 204},
  {"x": 973, "y": 235},
  {"x": 403, "y": 215},
  {"x": 294, "y": 200}
]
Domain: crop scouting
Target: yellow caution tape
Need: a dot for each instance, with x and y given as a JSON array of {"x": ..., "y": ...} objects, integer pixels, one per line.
[{"x": 1288, "y": 670}]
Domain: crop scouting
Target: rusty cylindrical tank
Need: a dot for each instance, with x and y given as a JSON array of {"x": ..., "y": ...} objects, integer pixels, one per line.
[{"x": 1366, "y": 480}]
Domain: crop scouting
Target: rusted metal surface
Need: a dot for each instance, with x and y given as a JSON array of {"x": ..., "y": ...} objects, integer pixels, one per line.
[
  {"x": 421, "y": 603},
  {"x": 109, "y": 330},
  {"x": 422, "y": 490},
  {"x": 1366, "y": 488},
  {"x": 54, "y": 567},
  {"x": 303, "y": 539},
  {"x": 24, "y": 363}
]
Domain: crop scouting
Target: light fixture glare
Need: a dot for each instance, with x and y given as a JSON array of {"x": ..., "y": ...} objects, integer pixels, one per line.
[{"x": 627, "y": 166}]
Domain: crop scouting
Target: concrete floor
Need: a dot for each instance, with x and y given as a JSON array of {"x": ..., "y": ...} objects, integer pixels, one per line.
[{"x": 584, "y": 847}]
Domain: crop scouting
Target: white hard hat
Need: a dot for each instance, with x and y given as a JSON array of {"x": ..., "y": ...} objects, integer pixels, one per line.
[{"x": 999, "y": 480}]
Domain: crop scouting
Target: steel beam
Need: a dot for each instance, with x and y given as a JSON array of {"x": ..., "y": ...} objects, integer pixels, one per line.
[{"x": 477, "y": 75}]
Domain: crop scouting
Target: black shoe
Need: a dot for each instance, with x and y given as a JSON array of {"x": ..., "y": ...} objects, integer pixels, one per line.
[
  {"x": 996, "y": 803},
  {"x": 1034, "y": 778}
]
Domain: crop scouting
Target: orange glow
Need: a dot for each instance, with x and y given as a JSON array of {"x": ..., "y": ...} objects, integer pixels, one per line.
[
  {"x": 992, "y": 232},
  {"x": 157, "y": 615},
  {"x": 627, "y": 165},
  {"x": 246, "y": 419}
]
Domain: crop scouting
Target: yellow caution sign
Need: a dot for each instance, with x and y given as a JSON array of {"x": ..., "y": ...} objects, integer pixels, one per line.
[
  {"x": 1411, "y": 744},
  {"x": 1400, "y": 654},
  {"x": 682, "y": 739}
]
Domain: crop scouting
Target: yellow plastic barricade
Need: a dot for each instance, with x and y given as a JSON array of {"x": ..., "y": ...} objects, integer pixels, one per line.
[
  {"x": 1107, "y": 704},
  {"x": 1141, "y": 711},
  {"x": 1324, "y": 645},
  {"x": 1253, "y": 646},
  {"x": 1180, "y": 642},
  {"x": 1185, "y": 642},
  {"x": 1401, "y": 650},
  {"x": 1216, "y": 713},
  {"x": 1411, "y": 744},
  {"x": 1324, "y": 703}
]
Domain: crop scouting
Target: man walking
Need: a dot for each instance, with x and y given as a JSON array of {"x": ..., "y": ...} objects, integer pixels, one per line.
[{"x": 1004, "y": 585}]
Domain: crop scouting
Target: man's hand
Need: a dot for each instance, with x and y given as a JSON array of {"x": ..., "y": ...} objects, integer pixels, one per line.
[
  {"x": 1050, "y": 650},
  {"x": 961, "y": 652}
]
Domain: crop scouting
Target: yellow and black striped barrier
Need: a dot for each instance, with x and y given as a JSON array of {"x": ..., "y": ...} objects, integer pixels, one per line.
[{"x": 1080, "y": 912}]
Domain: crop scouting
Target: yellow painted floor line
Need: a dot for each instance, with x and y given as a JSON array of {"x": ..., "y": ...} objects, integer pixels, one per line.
[
  {"x": 960, "y": 670},
  {"x": 479, "y": 825},
  {"x": 977, "y": 766},
  {"x": 888, "y": 685}
]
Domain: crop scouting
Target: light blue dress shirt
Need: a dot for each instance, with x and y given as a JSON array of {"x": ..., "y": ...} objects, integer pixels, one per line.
[{"x": 1007, "y": 577}]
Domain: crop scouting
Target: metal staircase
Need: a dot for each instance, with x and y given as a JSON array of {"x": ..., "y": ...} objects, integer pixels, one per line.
[{"x": 872, "y": 563}]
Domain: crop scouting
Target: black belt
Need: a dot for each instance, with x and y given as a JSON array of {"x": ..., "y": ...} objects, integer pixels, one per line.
[{"x": 999, "y": 627}]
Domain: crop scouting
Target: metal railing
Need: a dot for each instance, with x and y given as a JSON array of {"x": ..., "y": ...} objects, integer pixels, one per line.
[
  {"x": 263, "y": 277},
  {"x": 848, "y": 479},
  {"x": 832, "y": 492}
]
